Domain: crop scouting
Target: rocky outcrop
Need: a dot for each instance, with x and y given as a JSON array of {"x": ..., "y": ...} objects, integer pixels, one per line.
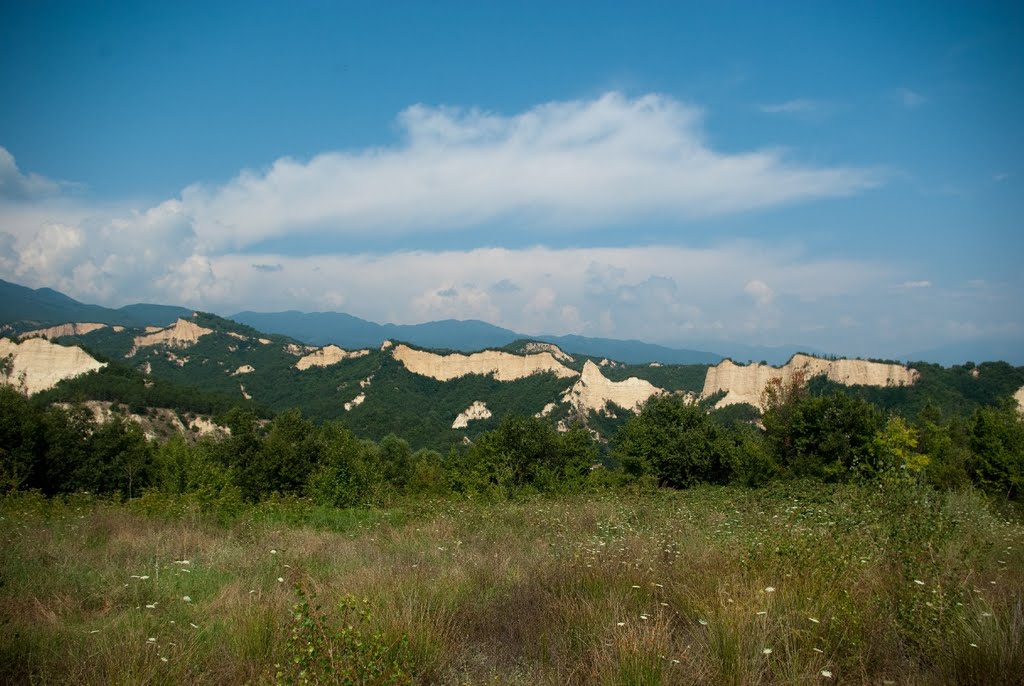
[
  {"x": 244, "y": 369},
  {"x": 478, "y": 410},
  {"x": 355, "y": 402},
  {"x": 296, "y": 349},
  {"x": 501, "y": 365},
  {"x": 328, "y": 355},
  {"x": 547, "y": 410},
  {"x": 1019, "y": 397},
  {"x": 181, "y": 334},
  {"x": 746, "y": 383},
  {"x": 556, "y": 352},
  {"x": 593, "y": 391},
  {"x": 204, "y": 426},
  {"x": 36, "y": 364},
  {"x": 69, "y": 329}
]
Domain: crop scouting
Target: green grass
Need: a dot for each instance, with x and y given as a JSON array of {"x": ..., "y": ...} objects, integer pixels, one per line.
[{"x": 870, "y": 584}]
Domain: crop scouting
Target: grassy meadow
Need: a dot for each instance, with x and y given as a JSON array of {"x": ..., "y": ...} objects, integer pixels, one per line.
[{"x": 796, "y": 583}]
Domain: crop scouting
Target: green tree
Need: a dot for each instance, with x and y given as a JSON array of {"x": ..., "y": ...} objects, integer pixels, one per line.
[
  {"x": 676, "y": 442},
  {"x": 283, "y": 461},
  {"x": 997, "y": 447}
]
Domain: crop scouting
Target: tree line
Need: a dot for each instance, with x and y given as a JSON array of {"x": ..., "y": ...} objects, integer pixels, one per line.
[{"x": 670, "y": 443}]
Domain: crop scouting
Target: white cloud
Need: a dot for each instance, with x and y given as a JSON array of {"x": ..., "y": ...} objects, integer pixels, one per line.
[
  {"x": 908, "y": 98},
  {"x": 17, "y": 186},
  {"x": 760, "y": 292},
  {"x": 659, "y": 293},
  {"x": 795, "y": 106},
  {"x": 562, "y": 165},
  {"x": 916, "y": 284}
]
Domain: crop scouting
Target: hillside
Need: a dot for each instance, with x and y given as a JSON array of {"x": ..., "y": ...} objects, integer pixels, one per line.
[
  {"x": 322, "y": 328},
  {"x": 45, "y": 307},
  {"x": 432, "y": 396}
]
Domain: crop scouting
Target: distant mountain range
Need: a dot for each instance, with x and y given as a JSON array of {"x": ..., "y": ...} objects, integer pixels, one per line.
[
  {"x": 48, "y": 307},
  {"x": 322, "y": 328}
]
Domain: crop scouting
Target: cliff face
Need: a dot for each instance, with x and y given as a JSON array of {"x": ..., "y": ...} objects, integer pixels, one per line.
[
  {"x": 328, "y": 355},
  {"x": 1019, "y": 397},
  {"x": 478, "y": 410},
  {"x": 181, "y": 334},
  {"x": 593, "y": 391},
  {"x": 70, "y": 329},
  {"x": 37, "y": 364},
  {"x": 501, "y": 365},
  {"x": 744, "y": 384},
  {"x": 556, "y": 352}
]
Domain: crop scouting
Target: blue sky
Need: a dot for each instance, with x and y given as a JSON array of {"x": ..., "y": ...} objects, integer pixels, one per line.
[{"x": 840, "y": 177}]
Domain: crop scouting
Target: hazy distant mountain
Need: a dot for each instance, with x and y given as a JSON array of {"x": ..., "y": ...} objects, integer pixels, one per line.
[
  {"x": 631, "y": 352},
  {"x": 47, "y": 306},
  {"x": 321, "y": 328}
]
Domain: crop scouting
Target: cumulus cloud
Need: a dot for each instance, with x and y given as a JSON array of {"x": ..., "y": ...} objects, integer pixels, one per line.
[
  {"x": 611, "y": 161},
  {"x": 759, "y": 291},
  {"x": 916, "y": 284},
  {"x": 659, "y": 293},
  {"x": 563, "y": 165},
  {"x": 14, "y": 185}
]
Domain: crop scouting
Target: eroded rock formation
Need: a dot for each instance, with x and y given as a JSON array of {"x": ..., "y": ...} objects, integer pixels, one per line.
[
  {"x": 501, "y": 365},
  {"x": 745, "y": 383},
  {"x": 328, "y": 355},
  {"x": 69, "y": 329},
  {"x": 36, "y": 364},
  {"x": 181, "y": 334},
  {"x": 478, "y": 410},
  {"x": 594, "y": 391}
]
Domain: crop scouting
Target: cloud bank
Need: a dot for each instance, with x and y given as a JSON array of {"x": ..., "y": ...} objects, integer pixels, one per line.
[{"x": 611, "y": 161}]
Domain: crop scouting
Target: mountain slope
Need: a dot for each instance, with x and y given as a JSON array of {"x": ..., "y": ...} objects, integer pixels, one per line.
[
  {"x": 47, "y": 306},
  {"x": 322, "y": 328}
]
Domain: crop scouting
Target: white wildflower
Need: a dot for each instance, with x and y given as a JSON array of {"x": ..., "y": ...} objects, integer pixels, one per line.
[
  {"x": 766, "y": 651},
  {"x": 827, "y": 674},
  {"x": 769, "y": 589},
  {"x": 186, "y": 598}
]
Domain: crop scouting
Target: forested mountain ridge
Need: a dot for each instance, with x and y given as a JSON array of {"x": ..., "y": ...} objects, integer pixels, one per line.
[
  {"x": 433, "y": 396},
  {"x": 206, "y": 364}
]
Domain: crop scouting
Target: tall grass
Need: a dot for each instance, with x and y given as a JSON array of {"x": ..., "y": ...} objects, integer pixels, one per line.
[{"x": 797, "y": 583}]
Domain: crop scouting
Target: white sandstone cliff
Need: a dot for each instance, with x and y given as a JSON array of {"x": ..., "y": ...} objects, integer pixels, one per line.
[
  {"x": 745, "y": 384},
  {"x": 36, "y": 364},
  {"x": 69, "y": 329},
  {"x": 594, "y": 391},
  {"x": 328, "y": 355},
  {"x": 478, "y": 410},
  {"x": 501, "y": 365}
]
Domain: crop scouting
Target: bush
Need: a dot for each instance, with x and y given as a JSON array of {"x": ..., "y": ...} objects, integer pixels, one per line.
[{"x": 677, "y": 443}]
